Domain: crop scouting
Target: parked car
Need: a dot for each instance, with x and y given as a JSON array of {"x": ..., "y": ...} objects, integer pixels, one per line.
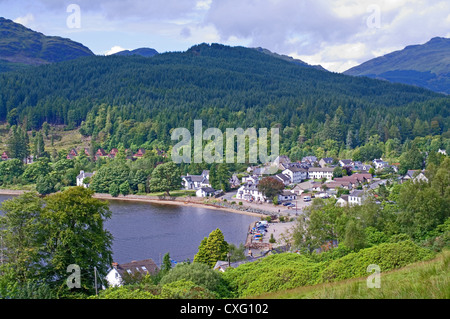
[
  {"x": 286, "y": 204},
  {"x": 306, "y": 198}
]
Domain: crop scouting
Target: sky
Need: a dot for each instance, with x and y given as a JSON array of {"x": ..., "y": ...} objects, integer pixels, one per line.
[{"x": 337, "y": 34}]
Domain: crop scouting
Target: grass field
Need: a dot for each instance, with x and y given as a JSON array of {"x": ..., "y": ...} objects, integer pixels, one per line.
[
  {"x": 423, "y": 280},
  {"x": 179, "y": 193},
  {"x": 62, "y": 140}
]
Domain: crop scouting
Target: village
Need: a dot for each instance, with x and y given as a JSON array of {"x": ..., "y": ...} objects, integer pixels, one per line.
[
  {"x": 348, "y": 182},
  {"x": 305, "y": 180}
]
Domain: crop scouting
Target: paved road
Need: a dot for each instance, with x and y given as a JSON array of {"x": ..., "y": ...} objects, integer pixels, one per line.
[{"x": 280, "y": 209}]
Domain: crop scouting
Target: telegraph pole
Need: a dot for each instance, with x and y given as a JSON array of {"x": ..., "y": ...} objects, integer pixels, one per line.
[
  {"x": 1, "y": 248},
  {"x": 95, "y": 280}
]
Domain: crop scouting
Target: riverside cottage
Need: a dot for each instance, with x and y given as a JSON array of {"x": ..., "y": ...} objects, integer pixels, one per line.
[{"x": 116, "y": 275}]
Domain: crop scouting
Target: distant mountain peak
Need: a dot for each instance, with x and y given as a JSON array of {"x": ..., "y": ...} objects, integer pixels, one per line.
[
  {"x": 145, "y": 52},
  {"x": 426, "y": 65},
  {"x": 239, "y": 51},
  {"x": 289, "y": 59},
  {"x": 21, "y": 45}
]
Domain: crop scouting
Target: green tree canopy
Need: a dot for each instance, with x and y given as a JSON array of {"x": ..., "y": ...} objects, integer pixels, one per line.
[
  {"x": 165, "y": 178},
  {"x": 212, "y": 248},
  {"x": 44, "y": 236}
]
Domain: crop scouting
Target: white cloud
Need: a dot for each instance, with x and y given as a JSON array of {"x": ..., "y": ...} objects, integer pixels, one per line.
[
  {"x": 114, "y": 49},
  {"x": 26, "y": 20},
  {"x": 334, "y": 33}
]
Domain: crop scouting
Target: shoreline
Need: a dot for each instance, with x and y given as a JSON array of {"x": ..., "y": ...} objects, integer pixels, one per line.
[
  {"x": 177, "y": 202},
  {"x": 148, "y": 199}
]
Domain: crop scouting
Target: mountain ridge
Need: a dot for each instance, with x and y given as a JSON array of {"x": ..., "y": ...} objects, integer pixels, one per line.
[
  {"x": 20, "y": 45},
  {"x": 426, "y": 65},
  {"x": 145, "y": 52}
]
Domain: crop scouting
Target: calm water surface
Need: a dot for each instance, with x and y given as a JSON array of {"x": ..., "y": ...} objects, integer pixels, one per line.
[{"x": 144, "y": 230}]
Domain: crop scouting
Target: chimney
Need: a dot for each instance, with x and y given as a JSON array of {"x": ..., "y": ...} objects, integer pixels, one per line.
[{"x": 115, "y": 265}]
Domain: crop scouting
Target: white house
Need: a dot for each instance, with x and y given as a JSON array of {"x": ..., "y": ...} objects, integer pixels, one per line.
[
  {"x": 415, "y": 176},
  {"x": 307, "y": 186},
  {"x": 309, "y": 159},
  {"x": 205, "y": 192},
  {"x": 196, "y": 181},
  {"x": 345, "y": 162},
  {"x": 281, "y": 161},
  {"x": 234, "y": 181},
  {"x": 286, "y": 180},
  {"x": 286, "y": 196},
  {"x": 81, "y": 177},
  {"x": 420, "y": 178},
  {"x": 356, "y": 197},
  {"x": 362, "y": 167},
  {"x": 444, "y": 152},
  {"x": 320, "y": 172},
  {"x": 379, "y": 163},
  {"x": 115, "y": 276},
  {"x": 250, "y": 192},
  {"x": 296, "y": 174},
  {"x": 250, "y": 179},
  {"x": 324, "y": 162},
  {"x": 342, "y": 201}
]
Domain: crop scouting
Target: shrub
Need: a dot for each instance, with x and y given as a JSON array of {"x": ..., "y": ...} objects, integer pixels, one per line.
[
  {"x": 272, "y": 273},
  {"x": 114, "y": 190},
  {"x": 387, "y": 256},
  {"x": 374, "y": 237},
  {"x": 272, "y": 239},
  {"x": 199, "y": 274},
  {"x": 185, "y": 289},
  {"x": 124, "y": 292}
]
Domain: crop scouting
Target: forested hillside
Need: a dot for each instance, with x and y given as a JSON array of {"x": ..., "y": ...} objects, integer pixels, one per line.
[
  {"x": 138, "y": 100},
  {"x": 21, "y": 47}
]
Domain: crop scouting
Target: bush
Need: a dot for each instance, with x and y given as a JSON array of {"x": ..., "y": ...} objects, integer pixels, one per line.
[
  {"x": 290, "y": 270},
  {"x": 199, "y": 274},
  {"x": 399, "y": 238},
  {"x": 141, "y": 188},
  {"x": 240, "y": 203},
  {"x": 387, "y": 256},
  {"x": 124, "y": 292},
  {"x": 185, "y": 289},
  {"x": 272, "y": 273},
  {"x": 272, "y": 239},
  {"x": 114, "y": 190},
  {"x": 125, "y": 188},
  {"x": 374, "y": 237}
]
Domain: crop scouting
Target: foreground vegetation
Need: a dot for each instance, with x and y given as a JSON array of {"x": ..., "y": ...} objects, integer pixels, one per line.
[
  {"x": 421, "y": 280},
  {"x": 42, "y": 237}
]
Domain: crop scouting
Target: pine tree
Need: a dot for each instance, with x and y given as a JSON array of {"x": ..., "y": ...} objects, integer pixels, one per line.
[
  {"x": 18, "y": 143},
  {"x": 212, "y": 249},
  {"x": 349, "y": 140},
  {"x": 39, "y": 145}
]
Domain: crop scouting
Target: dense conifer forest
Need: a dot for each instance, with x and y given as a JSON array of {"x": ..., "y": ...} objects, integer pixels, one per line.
[{"x": 136, "y": 100}]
